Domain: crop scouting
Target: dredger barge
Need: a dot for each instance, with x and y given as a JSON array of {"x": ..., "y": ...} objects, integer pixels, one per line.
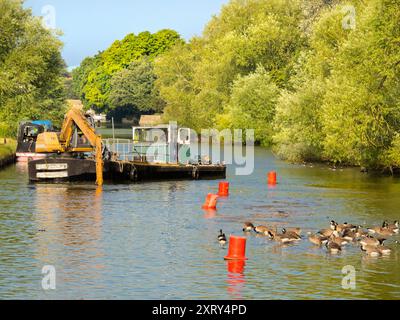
[{"x": 77, "y": 153}]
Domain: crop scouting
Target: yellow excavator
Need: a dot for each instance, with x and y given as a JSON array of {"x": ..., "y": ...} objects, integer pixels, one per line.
[{"x": 77, "y": 136}]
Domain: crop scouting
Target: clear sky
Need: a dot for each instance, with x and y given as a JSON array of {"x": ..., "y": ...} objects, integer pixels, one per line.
[{"x": 90, "y": 26}]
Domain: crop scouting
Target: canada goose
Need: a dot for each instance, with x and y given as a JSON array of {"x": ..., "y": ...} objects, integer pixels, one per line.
[
  {"x": 375, "y": 251},
  {"x": 317, "y": 239},
  {"x": 221, "y": 238},
  {"x": 264, "y": 230},
  {"x": 333, "y": 247},
  {"x": 371, "y": 251},
  {"x": 371, "y": 241},
  {"x": 328, "y": 232},
  {"x": 345, "y": 226},
  {"x": 376, "y": 229},
  {"x": 361, "y": 233},
  {"x": 248, "y": 227},
  {"x": 297, "y": 231},
  {"x": 384, "y": 230},
  {"x": 333, "y": 225},
  {"x": 291, "y": 234},
  {"x": 338, "y": 239},
  {"x": 351, "y": 235},
  {"x": 283, "y": 238},
  {"x": 393, "y": 227},
  {"x": 385, "y": 251}
]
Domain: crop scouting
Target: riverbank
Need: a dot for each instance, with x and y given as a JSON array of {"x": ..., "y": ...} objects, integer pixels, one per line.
[{"x": 7, "y": 152}]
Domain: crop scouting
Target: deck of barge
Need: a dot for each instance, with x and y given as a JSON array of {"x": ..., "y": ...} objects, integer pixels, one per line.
[
  {"x": 72, "y": 169},
  {"x": 139, "y": 171}
]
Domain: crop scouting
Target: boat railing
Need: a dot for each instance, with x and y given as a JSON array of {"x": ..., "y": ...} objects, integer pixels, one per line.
[{"x": 127, "y": 150}]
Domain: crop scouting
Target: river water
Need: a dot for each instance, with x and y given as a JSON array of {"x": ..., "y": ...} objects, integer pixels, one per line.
[{"x": 153, "y": 240}]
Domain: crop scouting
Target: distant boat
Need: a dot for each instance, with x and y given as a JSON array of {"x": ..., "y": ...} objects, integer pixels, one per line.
[
  {"x": 27, "y": 135},
  {"x": 98, "y": 118}
]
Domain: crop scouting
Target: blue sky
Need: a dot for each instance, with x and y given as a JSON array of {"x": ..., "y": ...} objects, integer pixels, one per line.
[{"x": 90, "y": 26}]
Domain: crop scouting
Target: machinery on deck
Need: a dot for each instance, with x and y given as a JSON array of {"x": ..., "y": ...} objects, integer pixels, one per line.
[
  {"x": 27, "y": 135},
  {"x": 77, "y": 138},
  {"x": 77, "y": 153}
]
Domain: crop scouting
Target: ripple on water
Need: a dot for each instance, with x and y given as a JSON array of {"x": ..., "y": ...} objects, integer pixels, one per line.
[{"x": 153, "y": 241}]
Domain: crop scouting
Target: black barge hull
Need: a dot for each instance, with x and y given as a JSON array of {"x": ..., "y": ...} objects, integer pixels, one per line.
[
  {"x": 62, "y": 169},
  {"x": 59, "y": 170}
]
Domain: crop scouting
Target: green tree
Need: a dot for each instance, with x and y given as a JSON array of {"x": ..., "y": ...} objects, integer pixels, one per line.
[
  {"x": 31, "y": 68},
  {"x": 299, "y": 132},
  {"x": 195, "y": 80},
  {"x": 93, "y": 79},
  {"x": 361, "y": 115},
  {"x": 252, "y": 105},
  {"x": 344, "y": 106},
  {"x": 133, "y": 87},
  {"x": 175, "y": 70}
]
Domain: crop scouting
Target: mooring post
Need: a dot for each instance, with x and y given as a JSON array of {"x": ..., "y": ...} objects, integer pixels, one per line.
[{"x": 113, "y": 128}]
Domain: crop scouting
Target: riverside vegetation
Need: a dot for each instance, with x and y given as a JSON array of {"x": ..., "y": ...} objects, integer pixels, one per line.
[
  {"x": 318, "y": 80},
  {"x": 31, "y": 69},
  {"x": 7, "y": 149}
]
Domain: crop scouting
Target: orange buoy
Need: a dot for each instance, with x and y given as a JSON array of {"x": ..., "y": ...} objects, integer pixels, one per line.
[
  {"x": 237, "y": 248},
  {"x": 236, "y": 266},
  {"x": 223, "y": 189},
  {"x": 211, "y": 202},
  {"x": 272, "y": 178}
]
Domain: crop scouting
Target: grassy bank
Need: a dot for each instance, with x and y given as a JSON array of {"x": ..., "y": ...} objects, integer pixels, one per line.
[{"x": 7, "y": 149}]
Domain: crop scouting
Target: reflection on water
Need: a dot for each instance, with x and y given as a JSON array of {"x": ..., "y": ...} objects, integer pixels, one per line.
[
  {"x": 210, "y": 214},
  {"x": 236, "y": 279},
  {"x": 154, "y": 241}
]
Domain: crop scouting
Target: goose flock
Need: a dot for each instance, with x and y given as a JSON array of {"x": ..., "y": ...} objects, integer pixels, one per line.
[{"x": 371, "y": 240}]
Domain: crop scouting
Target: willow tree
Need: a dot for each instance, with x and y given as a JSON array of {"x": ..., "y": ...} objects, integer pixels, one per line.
[
  {"x": 299, "y": 130},
  {"x": 344, "y": 107},
  {"x": 197, "y": 79},
  {"x": 361, "y": 110}
]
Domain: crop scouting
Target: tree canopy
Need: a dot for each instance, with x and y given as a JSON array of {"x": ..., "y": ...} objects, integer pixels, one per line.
[
  {"x": 316, "y": 79},
  {"x": 345, "y": 106},
  {"x": 122, "y": 76},
  {"x": 31, "y": 68},
  {"x": 196, "y": 79}
]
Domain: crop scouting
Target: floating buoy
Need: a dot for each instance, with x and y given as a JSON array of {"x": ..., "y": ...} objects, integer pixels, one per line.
[
  {"x": 272, "y": 178},
  {"x": 211, "y": 202},
  {"x": 223, "y": 189},
  {"x": 237, "y": 248},
  {"x": 236, "y": 266}
]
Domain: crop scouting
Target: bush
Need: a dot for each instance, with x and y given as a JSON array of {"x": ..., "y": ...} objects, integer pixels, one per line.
[{"x": 7, "y": 131}]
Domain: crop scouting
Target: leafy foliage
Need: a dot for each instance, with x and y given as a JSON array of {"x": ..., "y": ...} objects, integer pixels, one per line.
[
  {"x": 134, "y": 87},
  {"x": 98, "y": 80},
  {"x": 313, "y": 87},
  {"x": 252, "y": 105},
  {"x": 31, "y": 68},
  {"x": 351, "y": 79},
  {"x": 196, "y": 79}
]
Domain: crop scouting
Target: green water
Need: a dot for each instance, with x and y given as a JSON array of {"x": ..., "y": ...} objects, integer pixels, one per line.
[{"x": 153, "y": 240}]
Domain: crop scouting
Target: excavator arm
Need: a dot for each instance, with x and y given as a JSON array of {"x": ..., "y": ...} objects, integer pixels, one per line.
[
  {"x": 75, "y": 116},
  {"x": 50, "y": 142}
]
